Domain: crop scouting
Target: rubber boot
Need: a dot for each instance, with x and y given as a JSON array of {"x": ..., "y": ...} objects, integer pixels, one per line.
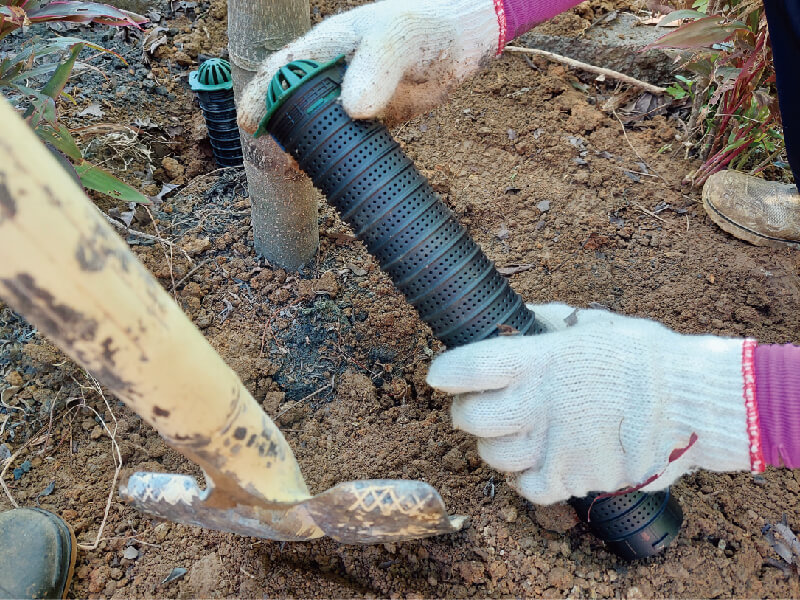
[
  {"x": 37, "y": 554},
  {"x": 764, "y": 213}
]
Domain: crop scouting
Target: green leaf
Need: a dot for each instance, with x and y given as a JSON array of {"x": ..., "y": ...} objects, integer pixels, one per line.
[
  {"x": 42, "y": 108},
  {"x": 83, "y": 12},
  {"x": 677, "y": 15},
  {"x": 50, "y": 46},
  {"x": 59, "y": 78},
  {"x": 735, "y": 144},
  {"x": 727, "y": 73},
  {"x": 31, "y": 73},
  {"x": 61, "y": 139},
  {"x": 99, "y": 180},
  {"x": 677, "y": 92},
  {"x": 703, "y": 63}
]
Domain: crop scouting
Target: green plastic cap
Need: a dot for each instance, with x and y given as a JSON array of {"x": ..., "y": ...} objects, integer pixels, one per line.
[
  {"x": 214, "y": 74},
  {"x": 286, "y": 81}
]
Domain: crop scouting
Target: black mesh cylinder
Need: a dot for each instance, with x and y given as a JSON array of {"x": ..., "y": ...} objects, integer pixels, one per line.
[
  {"x": 433, "y": 261},
  {"x": 391, "y": 207},
  {"x": 219, "y": 112},
  {"x": 633, "y": 525}
]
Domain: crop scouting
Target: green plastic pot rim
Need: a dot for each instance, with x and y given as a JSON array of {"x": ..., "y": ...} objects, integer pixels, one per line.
[
  {"x": 262, "y": 126},
  {"x": 196, "y": 86}
]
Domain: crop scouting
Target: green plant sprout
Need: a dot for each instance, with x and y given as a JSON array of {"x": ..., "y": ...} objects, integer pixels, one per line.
[
  {"x": 734, "y": 120},
  {"x": 38, "y": 105}
]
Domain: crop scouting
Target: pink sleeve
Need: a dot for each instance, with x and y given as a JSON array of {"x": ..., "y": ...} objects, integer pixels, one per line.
[
  {"x": 518, "y": 16},
  {"x": 777, "y": 391}
]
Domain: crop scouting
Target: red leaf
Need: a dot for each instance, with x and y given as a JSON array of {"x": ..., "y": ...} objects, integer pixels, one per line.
[
  {"x": 84, "y": 12},
  {"x": 673, "y": 456},
  {"x": 702, "y": 33},
  {"x": 678, "y": 452}
]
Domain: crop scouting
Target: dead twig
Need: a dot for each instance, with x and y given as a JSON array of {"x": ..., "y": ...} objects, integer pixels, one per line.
[
  {"x": 644, "y": 210},
  {"x": 649, "y": 87},
  {"x": 635, "y": 151},
  {"x": 192, "y": 271},
  {"x": 167, "y": 256},
  {"x": 299, "y": 402},
  {"x": 115, "y": 453},
  {"x": 141, "y": 234}
]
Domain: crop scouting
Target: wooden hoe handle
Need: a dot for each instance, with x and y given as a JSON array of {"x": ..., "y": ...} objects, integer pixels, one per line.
[{"x": 67, "y": 271}]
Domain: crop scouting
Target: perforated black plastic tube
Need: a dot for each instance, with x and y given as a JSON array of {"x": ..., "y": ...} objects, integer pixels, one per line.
[
  {"x": 392, "y": 208},
  {"x": 219, "y": 111},
  {"x": 432, "y": 260}
]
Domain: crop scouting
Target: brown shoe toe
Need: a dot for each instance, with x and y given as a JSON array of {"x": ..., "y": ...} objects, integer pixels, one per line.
[
  {"x": 37, "y": 554},
  {"x": 764, "y": 213}
]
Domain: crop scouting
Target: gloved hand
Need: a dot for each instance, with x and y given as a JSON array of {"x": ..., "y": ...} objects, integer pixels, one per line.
[
  {"x": 599, "y": 403},
  {"x": 403, "y": 55}
]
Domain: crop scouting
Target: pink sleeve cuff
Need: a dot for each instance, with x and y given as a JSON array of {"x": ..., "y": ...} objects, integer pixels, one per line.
[
  {"x": 777, "y": 397},
  {"x": 518, "y": 16}
]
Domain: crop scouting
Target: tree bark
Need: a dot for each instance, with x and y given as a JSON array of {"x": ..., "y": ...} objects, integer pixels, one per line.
[{"x": 284, "y": 202}]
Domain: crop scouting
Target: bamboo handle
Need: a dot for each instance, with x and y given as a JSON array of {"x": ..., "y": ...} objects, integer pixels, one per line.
[{"x": 67, "y": 271}]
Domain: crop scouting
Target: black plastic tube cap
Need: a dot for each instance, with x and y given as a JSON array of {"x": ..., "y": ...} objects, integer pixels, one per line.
[
  {"x": 634, "y": 525},
  {"x": 213, "y": 83}
]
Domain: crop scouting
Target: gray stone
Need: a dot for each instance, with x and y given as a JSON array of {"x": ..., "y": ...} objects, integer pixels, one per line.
[{"x": 615, "y": 45}]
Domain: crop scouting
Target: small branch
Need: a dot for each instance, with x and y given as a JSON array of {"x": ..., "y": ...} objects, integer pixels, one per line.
[
  {"x": 129, "y": 231},
  {"x": 192, "y": 272},
  {"x": 648, "y": 212},
  {"x": 149, "y": 236},
  {"x": 635, "y": 151},
  {"x": 649, "y": 87},
  {"x": 299, "y": 402},
  {"x": 115, "y": 453}
]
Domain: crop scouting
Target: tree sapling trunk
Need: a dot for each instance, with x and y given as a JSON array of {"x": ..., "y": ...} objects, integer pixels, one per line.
[{"x": 284, "y": 202}]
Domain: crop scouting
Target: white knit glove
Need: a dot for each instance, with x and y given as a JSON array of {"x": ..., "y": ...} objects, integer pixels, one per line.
[
  {"x": 599, "y": 403},
  {"x": 404, "y": 55}
]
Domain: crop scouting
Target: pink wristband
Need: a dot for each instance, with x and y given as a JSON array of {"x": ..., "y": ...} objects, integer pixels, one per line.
[
  {"x": 777, "y": 401},
  {"x": 757, "y": 464},
  {"x": 518, "y": 16}
]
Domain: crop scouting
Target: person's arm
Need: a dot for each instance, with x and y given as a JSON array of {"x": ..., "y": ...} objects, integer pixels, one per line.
[
  {"x": 518, "y": 16},
  {"x": 603, "y": 402},
  {"x": 776, "y": 389},
  {"x": 403, "y": 55}
]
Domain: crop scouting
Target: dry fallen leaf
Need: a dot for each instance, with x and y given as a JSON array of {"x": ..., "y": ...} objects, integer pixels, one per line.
[
  {"x": 783, "y": 541},
  {"x": 512, "y": 269},
  {"x": 93, "y": 110},
  {"x": 572, "y": 318},
  {"x": 356, "y": 270},
  {"x": 503, "y": 329},
  {"x": 176, "y": 573}
]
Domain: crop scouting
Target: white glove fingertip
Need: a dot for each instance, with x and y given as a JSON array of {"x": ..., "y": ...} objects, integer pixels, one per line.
[
  {"x": 488, "y": 365},
  {"x": 501, "y": 414},
  {"x": 252, "y": 107},
  {"x": 513, "y": 453},
  {"x": 539, "y": 486}
]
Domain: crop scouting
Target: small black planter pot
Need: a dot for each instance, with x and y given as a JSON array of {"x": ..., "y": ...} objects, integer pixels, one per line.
[{"x": 214, "y": 86}]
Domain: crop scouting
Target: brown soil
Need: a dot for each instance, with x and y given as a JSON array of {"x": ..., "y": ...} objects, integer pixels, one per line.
[{"x": 339, "y": 358}]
